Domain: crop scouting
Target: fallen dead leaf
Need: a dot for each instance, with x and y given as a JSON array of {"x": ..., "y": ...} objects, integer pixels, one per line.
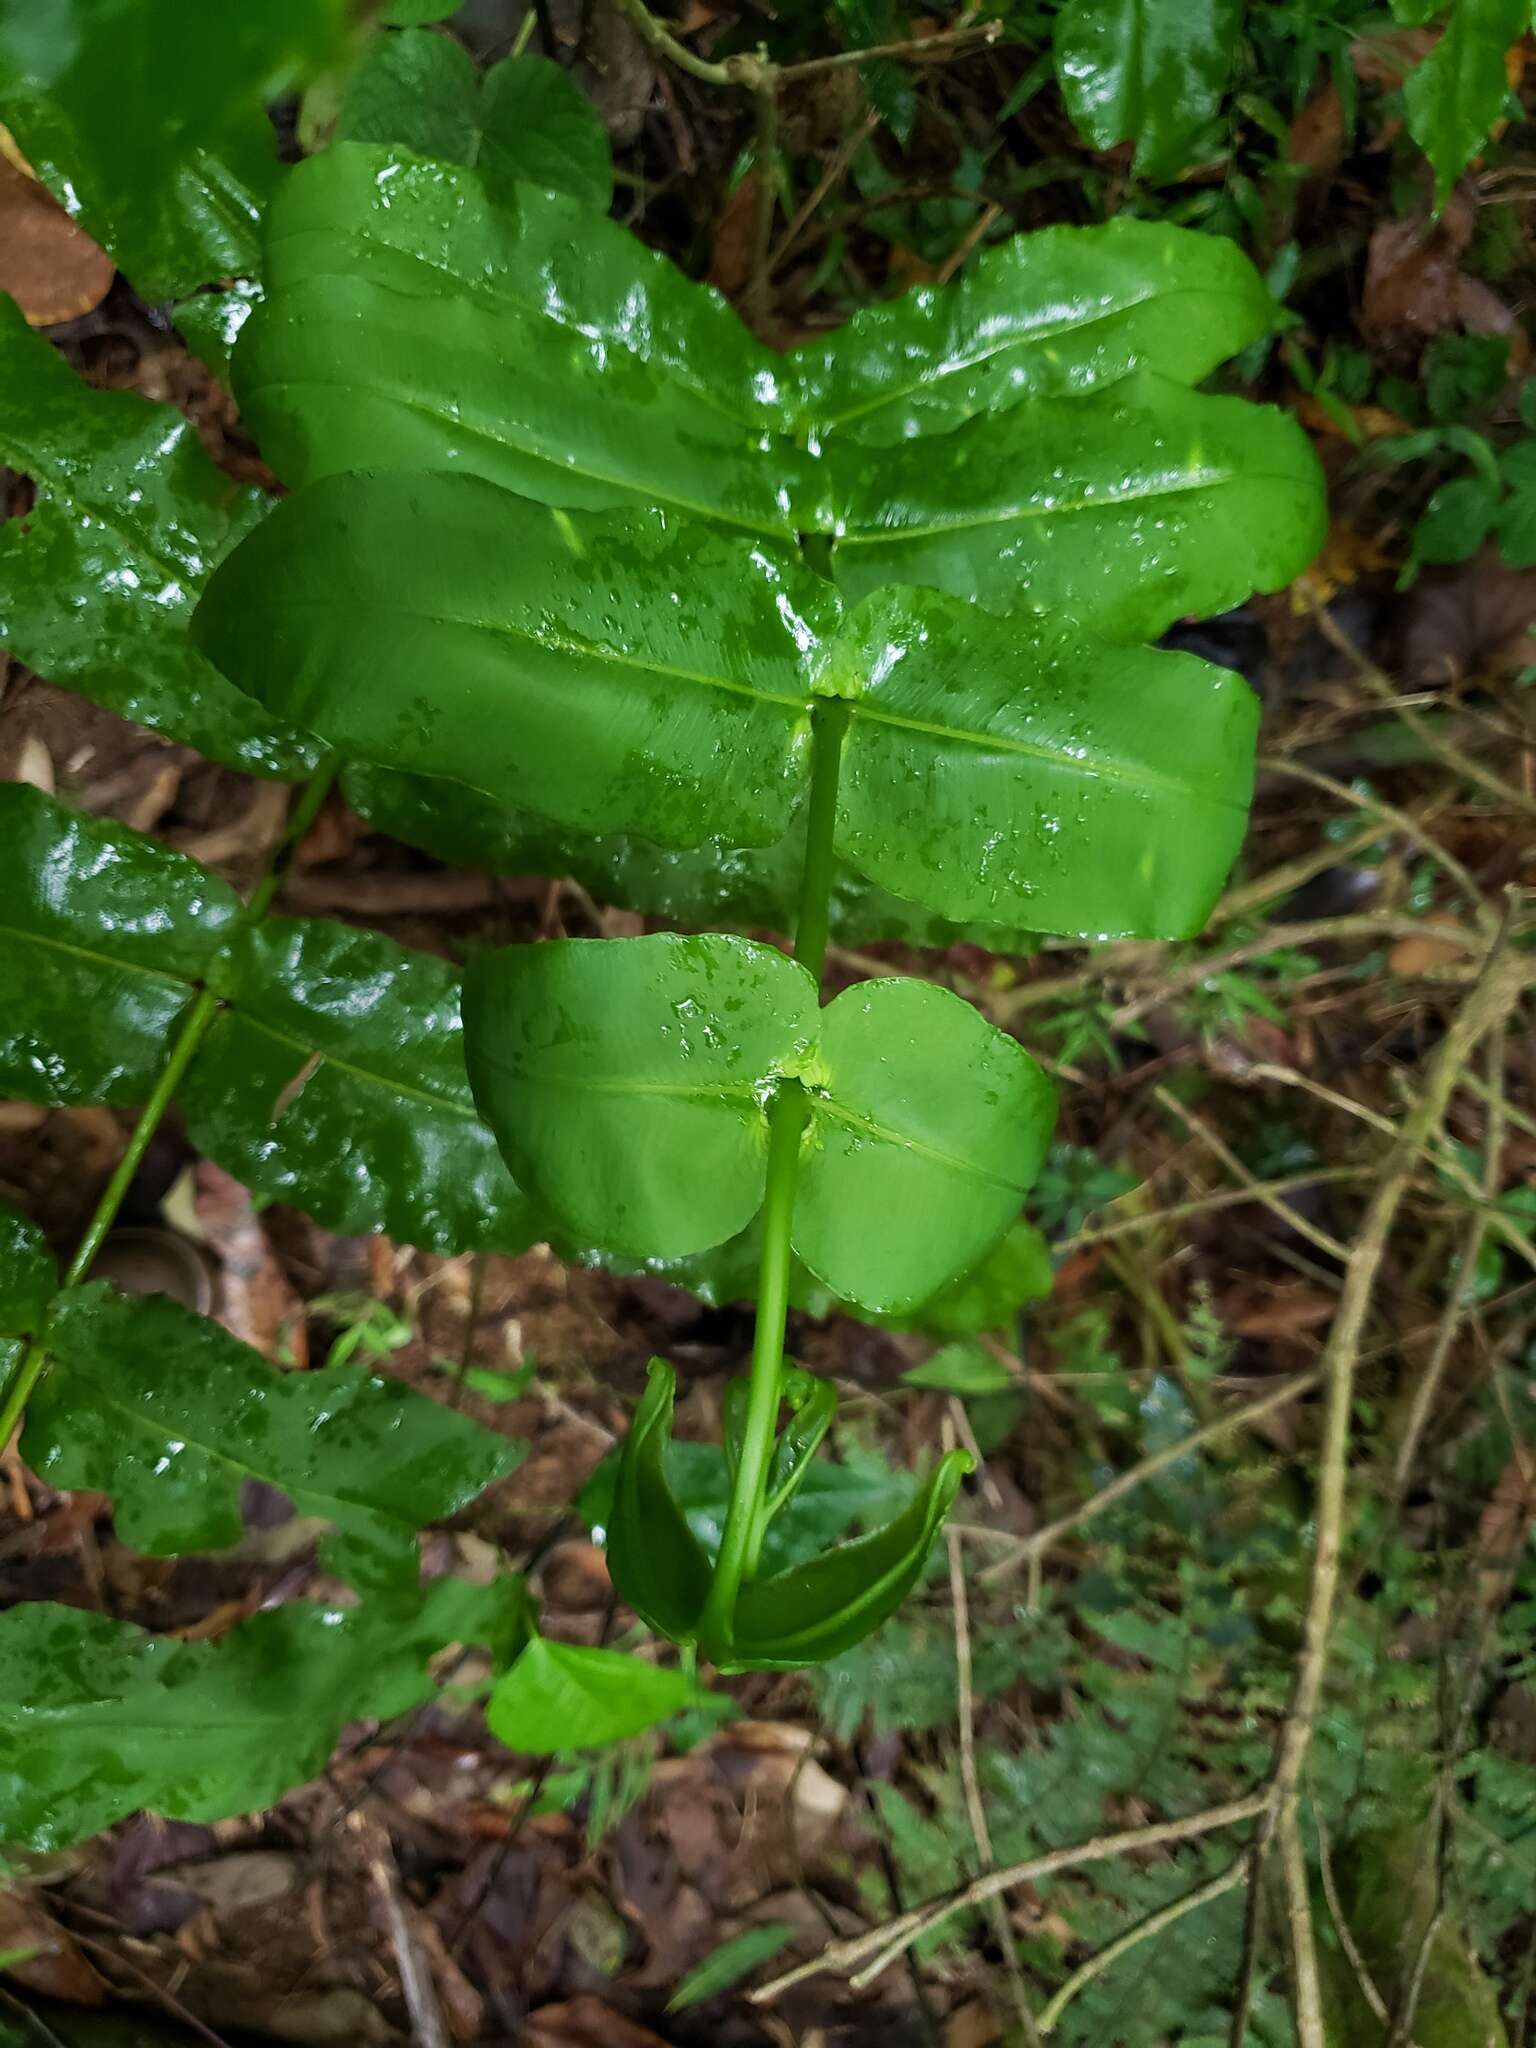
[
  {"x": 1415, "y": 956},
  {"x": 1414, "y": 286},
  {"x": 586, "y": 2023},
  {"x": 730, "y": 257},
  {"x": 1317, "y": 135},
  {"x": 1386, "y": 59},
  {"x": 255, "y": 1301},
  {"x": 1470, "y": 620},
  {"x": 972, "y": 2026},
  {"x": 49, "y": 266},
  {"x": 55, "y": 1967}
]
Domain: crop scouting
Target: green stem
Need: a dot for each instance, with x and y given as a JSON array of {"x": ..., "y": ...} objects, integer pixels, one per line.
[
  {"x": 194, "y": 1029},
  {"x": 745, "y": 1519}
]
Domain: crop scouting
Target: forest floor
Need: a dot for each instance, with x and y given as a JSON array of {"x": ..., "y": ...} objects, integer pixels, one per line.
[{"x": 1231, "y": 1110}]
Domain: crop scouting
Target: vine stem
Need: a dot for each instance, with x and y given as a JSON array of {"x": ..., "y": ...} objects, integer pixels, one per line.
[
  {"x": 787, "y": 1114},
  {"x": 194, "y": 1029}
]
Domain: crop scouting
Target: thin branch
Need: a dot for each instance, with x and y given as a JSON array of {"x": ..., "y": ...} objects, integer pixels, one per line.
[
  {"x": 1216, "y": 1144},
  {"x": 970, "y": 1778},
  {"x": 1498, "y": 989},
  {"x": 1026, "y": 1547},
  {"x": 1165, "y": 1916},
  {"x": 1310, "y": 2030},
  {"x": 1341, "y": 1926},
  {"x": 892, "y": 1938},
  {"x": 1380, "y": 684},
  {"x": 1459, "y": 1297}
]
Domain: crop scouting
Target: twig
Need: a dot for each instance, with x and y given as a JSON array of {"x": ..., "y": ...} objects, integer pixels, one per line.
[
  {"x": 1204, "y": 1205},
  {"x": 416, "y": 1985},
  {"x": 1458, "y": 1299},
  {"x": 1216, "y": 1144},
  {"x": 836, "y": 169},
  {"x": 1203, "y": 1895},
  {"x": 970, "y": 1779},
  {"x": 893, "y": 1937},
  {"x": 1318, "y": 932},
  {"x": 1497, "y": 990},
  {"x": 754, "y": 71},
  {"x": 1404, "y": 822},
  {"x": 1380, "y": 685},
  {"x": 1341, "y": 1926},
  {"x": 982, "y": 225},
  {"x": 1026, "y": 1547},
  {"x": 1310, "y": 2031}
]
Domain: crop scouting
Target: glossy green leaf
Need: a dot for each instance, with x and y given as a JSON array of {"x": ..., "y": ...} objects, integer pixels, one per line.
[
  {"x": 654, "y": 1558},
  {"x": 416, "y": 89},
  {"x": 540, "y": 127},
  {"x": 102, "y": 933},
  {"x": 1129, "y": 508},
  {"x": 730, "y": 1962},
  {"x": 98, "y": 1719},
  {"x": 1459, "y": 90},
  {"x": 169, "y": 1415},
  {"x": 602, "y": 685},
  {"x": 625, "y": 1080},
  {"x": 176, "y": 192},
  {"x": 925, "y": 1116},
  {"x": 1151, "y": 72},
  {"x": 817, "y": 1610},
  {"x": 1025, "y": 771},
  {"x": 1057, "y": 311},
  {"x": 628, "y": 1083},
  {"x": 355, "y": 232},
  {"x": 336, "y": 1082},
  {"x": 712, "y": 885},
  {"x": 130, "y": 516},
  {"x": 29, "y": 1274},
  {"x": 212, "y": 322},
  {"x": 562, "y": 1696}
]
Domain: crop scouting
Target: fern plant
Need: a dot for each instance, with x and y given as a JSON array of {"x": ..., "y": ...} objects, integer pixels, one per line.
[{"x": 857, "y": 635}]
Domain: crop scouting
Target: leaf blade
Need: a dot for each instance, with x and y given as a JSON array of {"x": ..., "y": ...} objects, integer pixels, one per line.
[
  {"x": 563, "y": 1696},
  {"x": 927, "y": 1117},
  {"x": 168, "y": 1415},
  {"x": 335, "y": 1080}
]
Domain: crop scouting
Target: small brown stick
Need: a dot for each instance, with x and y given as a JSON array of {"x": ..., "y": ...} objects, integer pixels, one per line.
[
  {"x": 1203, "y": 1895},
  {"x": 892, "y": 1938},
  {"x": 1204, "y": 1205},
  {"x": 416, "y": 1985},
  {"x": 1218, "y": 1145},
  {"x": 1380, "y": 684},
  {"x": 1498, "y": 988},
  {"x": 982, "y": 225},
  {"x": 1310, "y": 2031},
  {"x": 1458, "y": 1299},
  {"x": 835, "y": 171},
  {"x": 1341, "y": 1926},
  {"x": 1319, "y": 932},
  {"x": 970, "y": 1778},
  {"x": 1023, "y": 1548},
  {"x": 1402, "y": 821}
]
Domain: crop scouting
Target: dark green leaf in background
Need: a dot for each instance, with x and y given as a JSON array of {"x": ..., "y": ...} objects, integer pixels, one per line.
[
  {"x": 130, "y": 517},
  {"x": 730, "y": 1962},
  {"x": 168, "y": 1415},
  {"x": 29, "y": 1274},
  {"x": 98, "y": 1719},
  {"x": 336, "y": 1081},
  {"x": 1456, "y": 94},
  {"x": 417, "y": 90},
  {"x": 101, "y": 934},
  {"x": 562, "y": 1696},
  {"x": 1152, "y": 72},
  {"x": 539, "y": 127},
  {"x": 157, "y": 138}
]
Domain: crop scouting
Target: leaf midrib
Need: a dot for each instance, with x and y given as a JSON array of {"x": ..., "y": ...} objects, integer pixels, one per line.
[
  {"x": 839, "y": 1112},
  {"x": 1107, "y": 501}
]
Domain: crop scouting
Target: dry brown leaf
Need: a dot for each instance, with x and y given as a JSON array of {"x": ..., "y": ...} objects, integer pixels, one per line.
[
  {"x": 56, "y": 1968},
  {"x": 1317, "y": 135},
  {"x": 49, "y": 266},
  {"x": 1387, "y": 59},
  {"x": 1470, "y": 620},
  {"x": 586, "y": 2023},
  {"x": 1285, "y": 1314},
  {"x": 972, "y": 2026},
  {"x": 735, "y": 238},
  {"x": 1414, "y": 286},
  {"x": 1415, "y": 956},
  {"x": 255, "y": 1301}
]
